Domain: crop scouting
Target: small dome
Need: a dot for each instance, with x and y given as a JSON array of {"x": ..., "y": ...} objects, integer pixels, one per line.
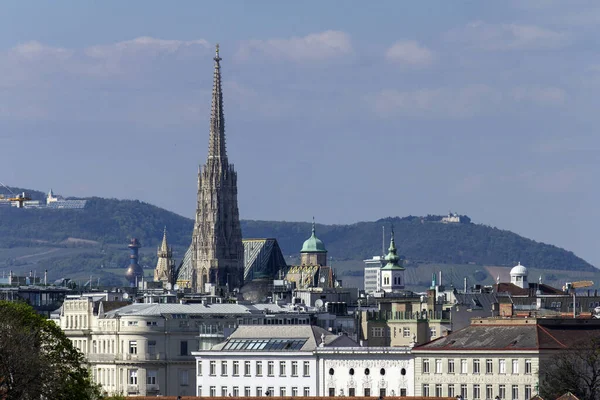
[
  {"x": 518, "y": 270},
  {"x": 313, "y": 244}
]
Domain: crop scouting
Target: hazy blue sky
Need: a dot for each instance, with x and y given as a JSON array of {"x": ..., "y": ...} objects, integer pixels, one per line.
[{"x": 344, "y": 110}]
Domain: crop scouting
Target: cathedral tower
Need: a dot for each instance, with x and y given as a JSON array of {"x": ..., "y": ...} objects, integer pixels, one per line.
[
  {"x": 165, "y": 266},
  {"x": 217, "y": 253}
]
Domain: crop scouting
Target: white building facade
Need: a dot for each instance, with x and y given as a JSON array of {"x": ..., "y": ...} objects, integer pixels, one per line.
[
  {"x": 260, "y": 361},
  {"x": 365, "y": 371}
]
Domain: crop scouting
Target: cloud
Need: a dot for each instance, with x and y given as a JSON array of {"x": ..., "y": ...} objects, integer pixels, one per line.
[
  {"x": 484, "y": 36},
  {"x": 462, "y": 102},
  {"x": 545, "y": 96},
  {"x": 143, "y": 44},
  {"x": 409, "y": 52},
  {"x": 313, "y": 47}
]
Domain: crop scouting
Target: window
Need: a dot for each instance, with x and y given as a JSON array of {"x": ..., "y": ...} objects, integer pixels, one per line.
[
  {"x": 502, "y": 366},
  {"x": 528, "y": 392},
  {"x": 432, "y": 332},
  {"x": 515, "y": 366},
  {"x": 294, "y": 391},
  {"x": 306, "y": 392},
  {"x": 294, "y": 368},
  {"x": 463, "y": 390},
  {"x": 382, "y": 393},
  {"x": 451, "y": 366},
  {"x": 258, "y": 391},
  {"x": 282, "y": 391},
  {"x": 425, "y": 390},
  {"x": 489, "y": 366},
  {"x": 247, "y": 370},
  {"x": 213, "y": 368},
  {"x": 236, "y": 368},
  {"x": 351, "y": 392},
  {"x": 476, "y": 392},
  {"x": 528, "y": 366},
  {"x": 151, "y": 323},
  {"x": 402, "y": 392},
  {"x": 515, "y": 392},
  {"x": 183, "y": 348},
  {"x": 199, "y": 391},
  {"x": 463, "y": 367},
  {"x": 489, "y": 392},
  {"x": 199, "y": 368},
  {"x": 183, "y": 377},
  {"x": 223, "y": 391},
  {"x": 236, "y": 391},
  {"x": 271, "y": 368},
  {"x": 476, "y": 367},
  {"x": 425, "y": 365},
  {"x": 502, "y": 391},
  {"x": 331, "y": 392},
  {"x": 223, "y": 368},
  {"x": 306, "y": 371},
  {"x": 438, "y": 390},
  {"x": 150, "y": 377},
  {"x": 377, "y": 332},
  {"x": 270, "y": 391},
  {"x": 281, "y": 368},
  {"x": 259, "y": 368},
  {"x": 247, "y": 391},
  {"x": 151, "y": 346},
  {"x": 438, "y": 366},
  {"x": 132, "y": 323},
  {"x": 406, "y": 332},
  {"x": 133, "y": 377},
  {"x": 132, "y": 347},
  {"x": 213, "y": 391},
  {"x": 367, "y": 392},
  {"x": 450, "y": 390}
]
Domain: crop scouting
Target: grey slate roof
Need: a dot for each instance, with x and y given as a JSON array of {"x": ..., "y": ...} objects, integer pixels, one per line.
[
  {"x": 160, "y": 309},
  {"x": 487, "y": 337},
  {"x": 312, "y": 334}
]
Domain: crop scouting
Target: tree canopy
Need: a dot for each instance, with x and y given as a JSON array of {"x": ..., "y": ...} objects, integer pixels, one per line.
[{"x": 37, "y": 360}]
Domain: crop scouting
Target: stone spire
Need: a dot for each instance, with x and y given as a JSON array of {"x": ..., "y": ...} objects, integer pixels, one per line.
[
  {"x": 217, "y": 253},
  {"x": 165, "y": 265},
  {"x": 216, "y": 142},
  {"x": 392, "y": 257}
]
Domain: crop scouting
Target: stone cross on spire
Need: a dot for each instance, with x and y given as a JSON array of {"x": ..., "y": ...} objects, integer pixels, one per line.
[{"x": 216, "y": 143}]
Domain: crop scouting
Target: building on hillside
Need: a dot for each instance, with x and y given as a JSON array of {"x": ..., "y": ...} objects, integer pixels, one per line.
[
  {"x": 257, "y": 361},
  {"x": 493, "y": 358},
  {"x": 165, "y": 266},
  {"x": 216, "y": 254},
  {"x": 365, "y": 371},
  {"x": 263, "y": 259},
  {"x": 451, "y": 218}
]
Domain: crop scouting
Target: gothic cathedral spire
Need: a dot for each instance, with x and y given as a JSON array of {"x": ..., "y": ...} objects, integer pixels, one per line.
[{"x": 216, "y": 250}]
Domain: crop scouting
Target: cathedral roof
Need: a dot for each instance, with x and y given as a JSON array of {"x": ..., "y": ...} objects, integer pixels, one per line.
[{"x": 313, "y": 244}]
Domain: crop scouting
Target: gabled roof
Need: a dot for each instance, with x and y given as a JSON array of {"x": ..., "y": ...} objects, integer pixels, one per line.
[
  {"x": 511, "y": 288},
  {"x": 568, "y": 396},
  {"x": 519, "y": 334}
]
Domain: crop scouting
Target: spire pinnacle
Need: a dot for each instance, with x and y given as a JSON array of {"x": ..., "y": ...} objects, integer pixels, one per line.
[
  {"x": 313, "y": 227},
  {"x": 216, "y": 145},
  {"x": 164, "y": 247}
]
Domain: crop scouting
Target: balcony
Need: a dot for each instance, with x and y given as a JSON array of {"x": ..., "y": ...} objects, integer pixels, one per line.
[
  {"x": 133, "y": 389},
  {"x": 153, "y": 389}
]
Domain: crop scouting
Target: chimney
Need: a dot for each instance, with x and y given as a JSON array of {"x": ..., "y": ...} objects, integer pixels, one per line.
[{"x": 466, "y": 287}]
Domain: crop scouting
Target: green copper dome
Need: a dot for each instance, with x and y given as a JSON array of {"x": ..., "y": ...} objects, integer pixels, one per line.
[
  {"x": 313, "y": 244},
  {"x": 392, "y": 257}
]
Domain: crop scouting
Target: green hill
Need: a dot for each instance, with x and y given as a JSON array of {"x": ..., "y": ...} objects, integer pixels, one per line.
[{"x": 80, "y": 242}]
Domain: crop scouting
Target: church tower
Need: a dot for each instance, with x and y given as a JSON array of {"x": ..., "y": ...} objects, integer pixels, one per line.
[
  {"x": 165, "y": 266},
  {"x": 217, "y": 251}
]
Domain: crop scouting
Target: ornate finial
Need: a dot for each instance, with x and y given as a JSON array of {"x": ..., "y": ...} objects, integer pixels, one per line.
[
  {"x": 313, "y": 227},
  {"x": 217, "y": 58},
  {"x": 498, "y": 279}
]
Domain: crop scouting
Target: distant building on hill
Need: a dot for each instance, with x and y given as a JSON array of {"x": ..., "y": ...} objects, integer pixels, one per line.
[{"x": 451, "y": 218}]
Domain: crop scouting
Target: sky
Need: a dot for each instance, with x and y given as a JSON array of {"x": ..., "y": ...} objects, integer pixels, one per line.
[{"x": 343, "y": 110}]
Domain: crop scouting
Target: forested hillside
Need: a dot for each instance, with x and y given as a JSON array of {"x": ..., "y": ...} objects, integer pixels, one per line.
[{"x": 110, "y": 223}]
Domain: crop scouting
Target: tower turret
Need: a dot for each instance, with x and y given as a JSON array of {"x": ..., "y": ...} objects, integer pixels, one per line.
[
  {"x": 165, "y": 266},
  {"x": 134, "y": 271},
  {"x": 313, "y": 250},
  {"x": 392, "y": 273}
]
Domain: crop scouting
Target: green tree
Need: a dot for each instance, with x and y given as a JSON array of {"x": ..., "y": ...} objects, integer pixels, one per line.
[
  {"x": 37, "y": 360},
  {"x": 576, "y": 370}
]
